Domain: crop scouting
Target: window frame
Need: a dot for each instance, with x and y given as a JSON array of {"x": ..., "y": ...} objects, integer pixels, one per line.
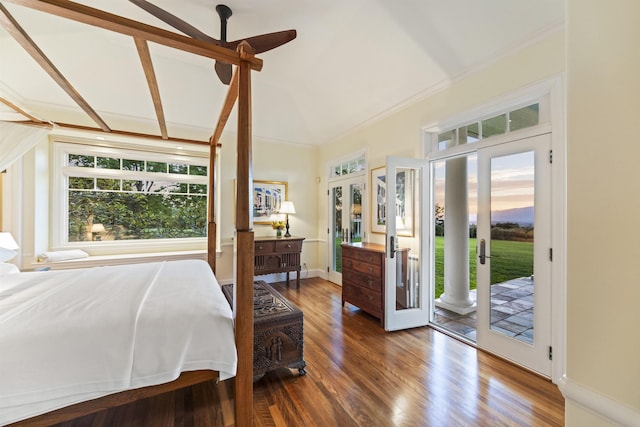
[{"x": 162, "y": 152}]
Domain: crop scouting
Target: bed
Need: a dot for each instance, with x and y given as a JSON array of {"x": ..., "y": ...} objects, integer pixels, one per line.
[
  {"x": 74, "y": 335},
  {"x": 244, "y": 61}
]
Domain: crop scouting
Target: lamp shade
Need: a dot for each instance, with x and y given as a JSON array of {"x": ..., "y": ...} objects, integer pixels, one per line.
[
  {"x": 97, "y": 228},
  {"x": 287, "y": 208},
  {"x": 7, "y": 241}
]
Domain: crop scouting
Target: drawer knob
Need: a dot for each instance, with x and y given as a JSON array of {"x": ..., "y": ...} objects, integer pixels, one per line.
[
  {"x": 259, "y": 247},
  {"x": 370, "y": 270},
  {"x": 288, "y": 246},
  {"x": 370, "y": 258}
]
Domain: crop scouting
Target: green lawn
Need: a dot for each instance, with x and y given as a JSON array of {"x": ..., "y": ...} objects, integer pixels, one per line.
[{"x": 509, "y": 260}]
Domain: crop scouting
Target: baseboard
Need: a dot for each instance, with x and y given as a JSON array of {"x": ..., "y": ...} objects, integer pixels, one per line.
[
  {"x": 281, "y": 277},
  {"x": 602, "y": 405}
]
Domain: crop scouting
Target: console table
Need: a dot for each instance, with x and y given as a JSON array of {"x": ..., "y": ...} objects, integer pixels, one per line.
[{"x": 277, "y": 255}]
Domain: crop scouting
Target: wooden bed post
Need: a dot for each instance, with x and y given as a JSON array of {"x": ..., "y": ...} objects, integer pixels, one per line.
[
  {"x": 211, "y": 210},
  {"x": 244, "y": 246}
]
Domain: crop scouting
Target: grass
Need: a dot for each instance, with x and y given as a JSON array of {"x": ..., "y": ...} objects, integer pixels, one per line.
[{"x": 509, "y": 260}]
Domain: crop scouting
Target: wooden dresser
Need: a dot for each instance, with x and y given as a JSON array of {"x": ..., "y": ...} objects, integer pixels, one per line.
[
  {"x": 363, "y": 277},
  {"x": 277, "y": 255}
]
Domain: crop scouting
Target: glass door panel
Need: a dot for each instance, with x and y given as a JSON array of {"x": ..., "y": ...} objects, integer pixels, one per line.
[
  {"x": 345, "y": 220},
  {"x": 406, "y": 303},
  {"x": 511, "y": 244}
]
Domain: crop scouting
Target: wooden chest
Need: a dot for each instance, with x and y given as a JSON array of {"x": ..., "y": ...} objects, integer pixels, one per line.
[
  {"x": 278, "y": 331},
  {"x": 363, "y": 277}
]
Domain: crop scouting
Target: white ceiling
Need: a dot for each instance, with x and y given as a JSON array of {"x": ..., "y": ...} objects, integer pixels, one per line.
[{"x": 353, "y": 61}]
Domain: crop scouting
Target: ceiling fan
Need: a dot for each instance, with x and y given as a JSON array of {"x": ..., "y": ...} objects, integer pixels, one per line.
[{"x": 260, "y": 43}]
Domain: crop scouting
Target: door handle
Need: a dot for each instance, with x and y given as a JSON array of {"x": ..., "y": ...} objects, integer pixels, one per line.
[
  {"x": 392, "y": 247},
  {"x": 483, "y": 250}
]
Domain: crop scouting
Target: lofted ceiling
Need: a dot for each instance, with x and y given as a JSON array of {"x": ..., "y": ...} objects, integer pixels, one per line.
[{"x": 352, "y": 61}]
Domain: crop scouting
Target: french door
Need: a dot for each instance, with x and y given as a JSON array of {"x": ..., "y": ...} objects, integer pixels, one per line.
[
  {"x": 345, "y": 220},
  {"x": 513, "y": 252},
  {"x": 406, "y": 298}
]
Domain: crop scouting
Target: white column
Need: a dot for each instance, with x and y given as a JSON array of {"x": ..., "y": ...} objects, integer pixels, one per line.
[{"x": 456, "y": 240}]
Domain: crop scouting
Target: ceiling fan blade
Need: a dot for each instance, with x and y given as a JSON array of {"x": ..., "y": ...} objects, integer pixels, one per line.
[
  {"x": 265, "y": 42},
  {"x": 224, "y": 72},
  {"x": 174, "y": 21}
]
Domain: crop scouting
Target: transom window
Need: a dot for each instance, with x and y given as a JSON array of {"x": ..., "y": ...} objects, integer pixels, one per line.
[
  {"x": 345, "y": 167},
  {"x": 499, "y": 124},
  {"x": 127, "y": 195}
]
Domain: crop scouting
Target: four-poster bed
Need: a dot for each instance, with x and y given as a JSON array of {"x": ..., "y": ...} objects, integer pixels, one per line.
[{"x": 240, "y": 90}]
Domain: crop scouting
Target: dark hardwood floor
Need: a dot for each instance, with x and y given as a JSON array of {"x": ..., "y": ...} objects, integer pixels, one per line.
[{"x": 359, "y": 375}]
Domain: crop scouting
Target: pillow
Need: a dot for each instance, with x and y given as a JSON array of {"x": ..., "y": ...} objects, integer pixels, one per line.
[
  {"x": 56, "y": 256},
  {"x": 6, "y": 254},
  {"x": 8, "y": 268}
]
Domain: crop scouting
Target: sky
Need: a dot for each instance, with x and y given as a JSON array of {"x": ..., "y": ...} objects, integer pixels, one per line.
[{"x": 512, "y": 182}]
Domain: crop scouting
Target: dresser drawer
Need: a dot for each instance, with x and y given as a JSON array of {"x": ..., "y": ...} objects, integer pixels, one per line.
[
  {"x": 264, "y": 247},
  {"x": 352, "y": 263},
  {"x": 369, "y": 269},
  {"x": 366, "y": 299},
  {"x": 288, "y": 245},
  {"x": 363, "y": 280},
  {"x": 366, "y": 256}
]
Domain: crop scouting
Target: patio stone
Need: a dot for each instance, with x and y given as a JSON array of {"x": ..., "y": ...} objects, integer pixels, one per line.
[
  {"x": 511, "y": 312},
  {"x": 509, "y": 326}
]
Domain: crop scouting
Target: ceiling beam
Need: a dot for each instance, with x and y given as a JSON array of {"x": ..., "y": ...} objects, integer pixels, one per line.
[
  {"x": 229, "y": 102},
  {"x": 19, "y": 110},
  {"x": 147, "y": 65},
  {"x": 102, "y": 19},
  {"x": 18, "y": 33},
  {"x": 134, "y": 134}
]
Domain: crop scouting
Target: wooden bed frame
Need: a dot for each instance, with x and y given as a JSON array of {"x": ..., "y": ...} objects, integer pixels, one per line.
[{"x": 239, "y": 89}]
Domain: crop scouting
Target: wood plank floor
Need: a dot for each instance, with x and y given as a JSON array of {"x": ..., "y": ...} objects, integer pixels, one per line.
[{"x": 359, "y": 375}]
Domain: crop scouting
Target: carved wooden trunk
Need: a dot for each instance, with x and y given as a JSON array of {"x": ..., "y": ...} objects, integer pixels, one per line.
[{"x": 278, "y": 331}]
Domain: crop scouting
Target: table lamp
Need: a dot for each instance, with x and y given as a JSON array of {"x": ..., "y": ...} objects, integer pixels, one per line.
[
  {"x": 287, "y": 208},
  {"x": 96, "y": 229}
]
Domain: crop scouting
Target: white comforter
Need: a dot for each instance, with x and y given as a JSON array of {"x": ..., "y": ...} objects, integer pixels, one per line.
[{"x": 74, "y": 335}]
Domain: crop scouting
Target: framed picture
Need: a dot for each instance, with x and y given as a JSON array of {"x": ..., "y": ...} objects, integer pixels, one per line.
[
  {"x": 404, "y": 206},
  {"x": 267, "y": 199}
]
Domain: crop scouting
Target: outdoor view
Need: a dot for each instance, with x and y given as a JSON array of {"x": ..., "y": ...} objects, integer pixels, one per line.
[
  {"x": 128, "y": 199},
  {"x": 511, "y": 220},
  {"x": 508, "y": 245}
]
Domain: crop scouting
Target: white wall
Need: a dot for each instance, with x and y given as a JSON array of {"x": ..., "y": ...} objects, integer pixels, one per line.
[{"x": 603, "y": 106}]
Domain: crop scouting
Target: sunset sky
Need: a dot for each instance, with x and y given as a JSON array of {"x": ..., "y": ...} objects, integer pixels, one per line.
[{"x": 512, "y": 182}]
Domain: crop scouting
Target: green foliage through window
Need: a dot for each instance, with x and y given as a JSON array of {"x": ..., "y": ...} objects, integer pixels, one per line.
[{"x": 166, "y": 207}]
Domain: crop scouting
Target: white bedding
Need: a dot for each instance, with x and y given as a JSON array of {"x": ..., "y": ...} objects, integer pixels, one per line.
[{"x": 74, "y": 335}]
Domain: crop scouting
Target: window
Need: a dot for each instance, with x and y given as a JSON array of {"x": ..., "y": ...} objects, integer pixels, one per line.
[
  {"x": 127, "y": 196},
  {"x": 499, "y": 124},
  {"x": 346, "y": 167}
]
